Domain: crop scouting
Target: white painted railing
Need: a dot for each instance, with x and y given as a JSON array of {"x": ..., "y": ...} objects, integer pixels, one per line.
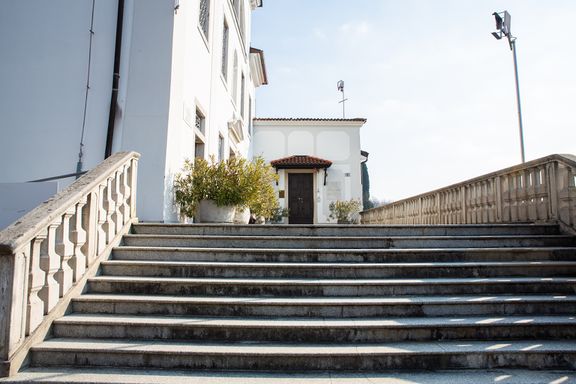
[
  {"x": 537, "y": 191},
  {"x": 51, "y": 250}
]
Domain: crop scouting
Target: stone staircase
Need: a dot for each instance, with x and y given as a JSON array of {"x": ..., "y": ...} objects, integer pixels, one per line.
[{"x": 325, "y": 298}]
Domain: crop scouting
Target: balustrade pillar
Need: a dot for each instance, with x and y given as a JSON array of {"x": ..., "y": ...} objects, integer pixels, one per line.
[
  {"x": 90, "y": 226},
  {"x": 36, "y": 279},
  {"x": 110, "y": 207},
  {"x": 50, "y": 264},
  {"x": 126, "y": 192},
  {"x": 133, "y": 181},
  {"x": 118, "y": 199},
  {"x": 78, "y": 236},
  {"x": 101, "y": 227},
  {"x": 65, "y": 248}
]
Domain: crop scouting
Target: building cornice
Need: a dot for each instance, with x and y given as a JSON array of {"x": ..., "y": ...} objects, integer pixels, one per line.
[{"x": 319, "y": 122}]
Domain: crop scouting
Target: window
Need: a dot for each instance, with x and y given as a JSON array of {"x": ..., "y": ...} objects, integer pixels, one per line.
[
  {"x": 225, "y": 50},
  {"x": 200, "y": 121},
  {"x": 220, "y": 147},
  {"x": 204, "y": 18},
  {"x": 235, "y": 81},
  {"x": 241, "y": 21},
  {"x": 238, "y": 8},
  {"x": 199, "y": 148},
  {"x": 242, "y": 81},
  {"x": 250, "y": 128}
]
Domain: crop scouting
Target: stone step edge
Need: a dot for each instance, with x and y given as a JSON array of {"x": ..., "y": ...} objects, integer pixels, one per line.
[
  {"x": 344, "y": 265},
  {"x": 316, "y": 226},
  {"x": 328, "y": 301},
  {"x": 335, "y": 282},
  {"x": 113, "y": 346},
  {"x": 321, "y": 323},
  {"x": 132, "y": 248},
  {"x": 91, "y": 375},
  {"x": 347, "y": 238}
]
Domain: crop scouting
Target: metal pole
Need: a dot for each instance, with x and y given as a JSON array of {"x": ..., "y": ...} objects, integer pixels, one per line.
[
  {"x": 343, "y": 105},
  {"x": 513, "y": 44}
]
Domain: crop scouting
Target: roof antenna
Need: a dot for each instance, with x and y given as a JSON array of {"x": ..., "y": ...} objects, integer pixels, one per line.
[{"x": 340, "y": 86}]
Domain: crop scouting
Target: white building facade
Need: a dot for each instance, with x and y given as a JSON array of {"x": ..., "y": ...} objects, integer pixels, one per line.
[
  {"x": 171, "y": 79},
  {"x": 318, "y": 161}
]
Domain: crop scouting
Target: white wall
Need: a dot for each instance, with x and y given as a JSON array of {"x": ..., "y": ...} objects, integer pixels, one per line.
[
  {"x": 17, "y": 199},
  {"x": 167, "y": 69},
  {"x": 197, "y": 81},
  {"x": 147, "y": 52},
  {"x": 337, "y": 141},
  {"x": 43, "y": 74}
]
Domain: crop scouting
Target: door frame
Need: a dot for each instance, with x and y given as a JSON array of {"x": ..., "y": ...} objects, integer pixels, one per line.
[{"x": 314, "y": 172}]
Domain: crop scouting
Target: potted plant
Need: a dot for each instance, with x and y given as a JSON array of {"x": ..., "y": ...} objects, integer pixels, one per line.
[
  {"x": 345, "y": 212},
  {"x": 209, "y": 191},
  {"x": 212, "y": 191},
  {"x": 259, "y": 181}
]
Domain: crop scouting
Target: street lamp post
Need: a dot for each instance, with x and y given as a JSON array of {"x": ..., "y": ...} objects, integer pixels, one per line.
[{"x": 503, "y": 22}]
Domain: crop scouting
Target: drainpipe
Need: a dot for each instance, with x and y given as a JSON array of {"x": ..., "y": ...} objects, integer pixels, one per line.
[{"x": 115, "y": 80}]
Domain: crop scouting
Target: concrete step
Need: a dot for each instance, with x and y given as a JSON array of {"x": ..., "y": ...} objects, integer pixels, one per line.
[
  {"x": 320, "y": 330},
  {"x": 413, "y": 356},
  {"x": 359, "y": 242},
  {"x": 330, "y": 287},
  {"x": 334, "y": 307},
  {"x": 62, "y": 375},
  {"x": 346, "y": 230},
  {"x": 280, "y": 255},
  {"x": 338, "y": 270}
]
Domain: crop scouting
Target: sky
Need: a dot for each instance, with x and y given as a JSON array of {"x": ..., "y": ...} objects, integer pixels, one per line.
[{"x": 436, "y": 87}]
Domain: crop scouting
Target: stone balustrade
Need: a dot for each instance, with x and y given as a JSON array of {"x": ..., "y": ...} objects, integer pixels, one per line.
[
  {"x": 541, "y": 190},
  {"x": 51, "y": 251}
]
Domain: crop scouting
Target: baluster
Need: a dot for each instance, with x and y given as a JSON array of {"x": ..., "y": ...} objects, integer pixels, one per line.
[
  {"x": 78, "y": 236},
  {"x": 50, "y": 264},
  {"x": 531, "y": 199},
  {"x": 101, "y": 227},
  {"x": 133, "y": 173},
  {"x": 541, "y": 196},
  {"x": 492, "y": 201},
  {"x": 514, "y": 179},
  {"x": 36, "y": 279},
  {"x": 126, "y": 192},
  {"x": 65, "y": 248},
  {"x": 110, "y": 207},
  {"x": 118, "y": 198},
  {"x": 522, "y": 196},
  {"x": 485, "y": 207},
  {"x": 90, "y": 226}
]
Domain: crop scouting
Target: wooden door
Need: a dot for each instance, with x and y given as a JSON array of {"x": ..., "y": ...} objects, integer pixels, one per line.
[{"x": 301, "y": 198}]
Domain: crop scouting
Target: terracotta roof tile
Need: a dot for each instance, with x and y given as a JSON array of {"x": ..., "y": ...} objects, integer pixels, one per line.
[{"x": 301, "y": 161}]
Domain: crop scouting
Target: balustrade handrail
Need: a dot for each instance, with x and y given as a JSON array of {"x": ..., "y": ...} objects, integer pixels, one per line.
[
  {"x": 25, "y": 228},
  {"x": 538, "y": 190},
  {"x": 48, "y": 254}
]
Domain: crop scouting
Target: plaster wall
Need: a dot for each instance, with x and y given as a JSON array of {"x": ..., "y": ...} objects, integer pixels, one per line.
[
  {"x": 43, "y": 77},
  {"x": 168, "y": 68},
  {"x": 334, "y": 141},
  {"x": 17, "y": 199},
  {"x": 197, "y": 81}
]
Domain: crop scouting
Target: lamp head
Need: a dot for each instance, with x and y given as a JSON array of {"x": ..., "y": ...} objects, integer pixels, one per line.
[{"x": 499, "y": 21}]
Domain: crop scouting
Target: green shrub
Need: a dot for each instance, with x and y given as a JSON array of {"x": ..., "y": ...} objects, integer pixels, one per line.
[
  {"x": 345, "y": 212},
  {"x": 235, "y": 182}
]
